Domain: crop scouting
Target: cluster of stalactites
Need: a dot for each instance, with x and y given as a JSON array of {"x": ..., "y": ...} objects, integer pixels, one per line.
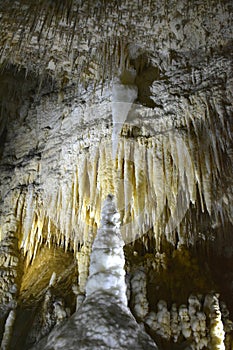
[
  {"x": 156, "y": 177},
  {"x": 155, "y": 182},
  {"x": 62, "y": 38},
  {"x": 69, "y": 25}
]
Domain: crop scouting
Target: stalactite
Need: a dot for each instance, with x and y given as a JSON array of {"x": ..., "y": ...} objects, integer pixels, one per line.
[{"x": 166, "y": 172}]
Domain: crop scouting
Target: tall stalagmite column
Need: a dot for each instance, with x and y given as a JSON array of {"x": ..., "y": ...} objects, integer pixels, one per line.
[
  {"x": 103, "y": 320},
  {"x": 107, "y": 258}
]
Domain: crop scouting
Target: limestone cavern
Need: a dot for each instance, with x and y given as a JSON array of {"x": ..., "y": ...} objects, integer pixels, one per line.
[{"x": 116, "y": 187}]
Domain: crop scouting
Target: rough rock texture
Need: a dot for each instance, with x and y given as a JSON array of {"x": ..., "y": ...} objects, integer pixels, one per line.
[
  {"x": 100, "y": 323},
  {"x": 132, "y": 98}
]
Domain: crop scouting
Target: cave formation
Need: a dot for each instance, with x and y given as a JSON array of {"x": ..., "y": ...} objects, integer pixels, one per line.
[{"x": 127, "y": 103}]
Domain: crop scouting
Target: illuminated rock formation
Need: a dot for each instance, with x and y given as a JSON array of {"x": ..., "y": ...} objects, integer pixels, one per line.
[
  {"x": 132, "y": 98},
  {"x": 103, "y": 321}
]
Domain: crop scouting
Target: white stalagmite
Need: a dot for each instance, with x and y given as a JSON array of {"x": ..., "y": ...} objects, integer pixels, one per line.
[
  {"x": 107, "y": 274},
  {"x": 104, "y": 319},
  {"x": 139, "y": 293},
  {"x": 203, "y": 330},
  {"x": 203, "y": 325},
  {"x": 228, "y": 325},
  {"x": 175, "y": 326},
  {"x": 60, "y": 312},
  {"x": 151, "y": 321},
  {"x": 83, "y": 258},
  {"x": 197, "y": 321},
  {"x": 185, "y": 321},
  {"x": 217, "y": 334},
  {"x": 163, "y": 319}
]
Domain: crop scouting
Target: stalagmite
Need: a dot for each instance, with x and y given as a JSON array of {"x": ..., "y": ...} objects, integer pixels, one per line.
[
  {"x": 228, "y": 325},
  {"x": 139, "y": 294},
  {"x": 163, "y": 319},
  {"x": 106, "y": 293},
  {"x": 107, "y": 258},
  {"x": 60, "y": 313},
  {"x": 201, "y": 324},
  {"x": 175, "y": 326},
  {"x": 83, "y": 258},
  {"x": 217, "y": 334},
  {"x": 203, "y": 342},
  {"x": 185, "y": 321},
  {"x": 197, "y": 321},
  {"x": 151, "y": 321}
]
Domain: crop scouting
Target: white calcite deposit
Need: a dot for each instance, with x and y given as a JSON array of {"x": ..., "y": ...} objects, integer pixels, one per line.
[
  {"x": 107, "y": 272},
  {"x": 203, "y": 323},
  {"x": 103, "y": 321}
]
